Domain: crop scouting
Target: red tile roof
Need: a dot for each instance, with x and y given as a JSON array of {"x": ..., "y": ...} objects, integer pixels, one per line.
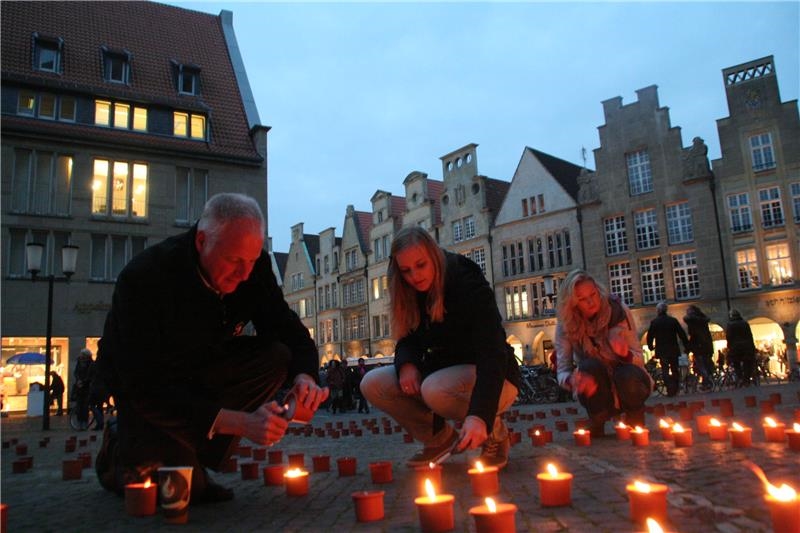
[{"x": 154, "y": 35}]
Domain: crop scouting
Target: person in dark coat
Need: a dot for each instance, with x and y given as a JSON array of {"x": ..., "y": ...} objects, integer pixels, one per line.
[
  {"x": 452, "y": 361},
  {"x": 57, "y": 392},
  {"x": 700, "y": 343},
  {"x": 664, "y": 333},
  {"x": 741, "y": 347},
  {"x": 186, "y": 381},
  {"x": 82, "y": 386},
  {"x": 358, "y": 374}
]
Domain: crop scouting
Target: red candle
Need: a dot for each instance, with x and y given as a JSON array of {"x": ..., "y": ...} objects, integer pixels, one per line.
[
  {"x": 647, "y": 500},
  {"x": 555, "y": 488},
  {"x": 273, "y": 475},
  {"x": 368, "y": 505},
  {"x": 784, "y": 508},
  {"x": 794, "y": 437},
  {"x": 435, "y": 510},
  {"x": 140, "y": 498},
  {"x": 665, "y": 426},
  {"x": 296, "y": 460},
  {"x": 640, "y": 436},
  {"x": 245, "y": 451},
  {"x": 322, "y": 463},
  {"x": 682, "y": 436},
  {"x": 582, "y": 438},
  {"x": 71, "y": 469},
  {"x": 381, "y": 471},
  {"x": 538, "y": 438},
  {"x": 741, "y": 436},
  {"x": 432, "y": 472},
  {"x": 623, "y": 431},
  {"x": 259, "y": 454},
  {"x": 717, "y": 430},
  {"x": 274, "y": 457},
  {"x": 702, "y": 423},
  {"x": 774, "y": 431},
  {"x": 249, "y": 470},
  {"x": 484, "y": 480},
  {"x": 296, "y": 482},
  {"x": 494, "y": 517},
  {"x": 346, "y": 466}
]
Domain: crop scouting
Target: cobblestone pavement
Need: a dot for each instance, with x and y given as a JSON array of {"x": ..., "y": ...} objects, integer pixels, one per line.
[{"x": 710, "y": 487}]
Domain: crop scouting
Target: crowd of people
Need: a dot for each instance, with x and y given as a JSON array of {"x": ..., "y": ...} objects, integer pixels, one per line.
[{"x": 344, "y": 383}]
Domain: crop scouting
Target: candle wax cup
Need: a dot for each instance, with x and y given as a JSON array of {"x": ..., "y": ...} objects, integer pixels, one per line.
[
  {"x": 644, "y": 505},
  {"x": 501, "y": 521},
  {"x": 640, "y": 438},
  {"x": 484, "y": 483},
  {"x": 555, "y": 490},
  {"x": 682, "y": 438},
  {"x": 702, "y": 423},
  {"x": 273, "y": 475},
  {"x": 436, "y": 514},
  {"x": 794, "y": 439},
  {"x": 623, "y": 433},
  {"x": 426, "y": 472},
  {"x": 741, "y": 439},
  {"x": 785, "y": 515},
  {"x": 297, "y": 485},
  {"x": 718, "y": 432},
  {"x": 776, "y": 433},
  {"x": 381, "y": 472},
  {"x": 140, "y": 500},
  {"x": 582, "y": 439},
  {"x": 368, "y": 505}
]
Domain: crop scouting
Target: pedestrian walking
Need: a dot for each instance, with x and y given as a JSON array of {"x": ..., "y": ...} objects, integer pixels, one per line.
[
  {"x": 664, "y": 334},
  {"x": 741, "y": 348}
]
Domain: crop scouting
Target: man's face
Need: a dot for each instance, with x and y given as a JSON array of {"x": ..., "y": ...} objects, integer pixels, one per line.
[{"x": 228, "y": 259}]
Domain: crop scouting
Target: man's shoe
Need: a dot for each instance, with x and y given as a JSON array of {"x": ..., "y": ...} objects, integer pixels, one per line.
[
  {"x": 213, "y": 493},
  {"x": 433, "y": 454},
  {"x": 495, "y": 452}
]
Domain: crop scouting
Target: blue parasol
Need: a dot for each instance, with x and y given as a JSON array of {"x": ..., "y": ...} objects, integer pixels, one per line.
[{"x": 27, "y": 358}]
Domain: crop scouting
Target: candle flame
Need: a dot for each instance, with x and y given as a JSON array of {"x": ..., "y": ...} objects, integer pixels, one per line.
[
  {"x": 536, "y": 433},
  {"x": 491, "y": 505},
  {"x": 770, "y": 422},
  {"x": 638, "y": 429},
  {"x": 431, "y": 465},
  {"x": 714, "y": 422},
  {"x": 737, "y": 427},
  {"x": 784, "y": 493},
  {"x": 796, "y": 427},
  {"x": 663, "y": 423},
  {"x": 479, "y": 466},
  {"x": 581, "y": 431},
  {"x": 621, "y": 425},
  {"x": 653, "y": 526},
  {"x": 429, "y": 489},
  {"x": 294, "y": 472},
  {"x": 147, "y": 483},
  {"x": 551, "y": 469},
  {"x": 641, "y": 487},
  {"x": 677, "y": 428}
]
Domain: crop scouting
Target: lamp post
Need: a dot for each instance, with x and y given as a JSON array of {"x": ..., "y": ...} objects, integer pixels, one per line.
[
  {"x": 69, "y": 257},
  {"x": 549, "y": 290}
]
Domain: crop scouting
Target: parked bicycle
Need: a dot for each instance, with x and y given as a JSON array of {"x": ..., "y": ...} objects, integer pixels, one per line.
[{"x": 539, "y": 385}]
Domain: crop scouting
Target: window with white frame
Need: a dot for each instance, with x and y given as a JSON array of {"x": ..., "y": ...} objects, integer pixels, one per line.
[
  {"x": 620, "y": 281},
  {"x": 524, "y": 207},
  {"x": 16, "y": 257},
  {"x": 297, "y": 282},
  {"x": 382, "y": 247},
  {"x": 66, "y": 108},
  {"x": 747, "y": 269},
  {"x": 26, "y": 103},
  {"x": 640, "y": 177},
  {"x": 513, "y": 260},
  {"x": 651, "y": 272},
  {"x": 469, "y": 227},
  {"x": 779, "y": 264},
  {"x": 376, "y": 288},
  {"x": 376, "y": 327},
  {"x": 685, "y": 275},
  {"x": 794, "y": 189},
  {"x": 458, "y": 231},
  {"x": 191, "y": 125},
  {"x": 616, "y": 236},
  {"x": 567, "y": 247},
  {"x": 739, "y": 212},
  {"x": 537, "y": 298},
  {"x": 110, "y": 253},
  {"x": 350, "y": 260},
  {"x": 551, "y": 252},
  {"x": 532, "y": 255},
  {"x": 478, "y": 256},
  {"x": 327, "y": 298},
  {"x": 771, "y": 208},
  {"x": 41, "y": 183},
  {"x": 334, "y": 295},
  {"x": 118, "y": 115},
  {"x": 540, "y": 252},
  {"x": 761, "y": 152},
  {"x": 679, "y": 223},
  {"x": 47, "y": 54},
  {"x": 188, "y": 80},
  {"x": 320, "y": 299},
  {"x": 646, "y": 224},
  {"x": 191, "y": 193},
  {"x": 116, "y": 66},
  {"x": 516, "y": 302},
  {"x": 119, "y": 189},
  {"x": 47, "y": 106},
  {"x": 326, "y": 262}
]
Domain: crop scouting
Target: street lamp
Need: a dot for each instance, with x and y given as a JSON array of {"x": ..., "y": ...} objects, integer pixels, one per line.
[
  {"x": 69, "y": 257},
  {"x": 549, "y": 290}
]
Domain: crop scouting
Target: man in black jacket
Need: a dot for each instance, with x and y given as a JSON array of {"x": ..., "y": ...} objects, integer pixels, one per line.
[
  {"x": 186, "y": 382},
  {"x": 664, "y": 333}
]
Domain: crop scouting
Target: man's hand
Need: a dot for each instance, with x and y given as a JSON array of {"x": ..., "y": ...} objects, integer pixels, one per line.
[
  {"x": 266, "y": 425},
  {"x": 473, "y": 433},
  {"x": 308, "y": 392}
]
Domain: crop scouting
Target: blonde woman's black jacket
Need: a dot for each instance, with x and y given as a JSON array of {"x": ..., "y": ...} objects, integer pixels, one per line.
[
  {"x": 165, "y": 325},
  {"x": 471, "y": 333}
]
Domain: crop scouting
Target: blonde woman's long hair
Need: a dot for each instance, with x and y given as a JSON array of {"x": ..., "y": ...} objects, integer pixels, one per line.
[
  {"x": 577, "y": 328},
  {"x": 405, "y": 312}
]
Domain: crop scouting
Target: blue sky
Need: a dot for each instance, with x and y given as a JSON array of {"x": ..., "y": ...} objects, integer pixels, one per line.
[{"x": 358, "y": 95}]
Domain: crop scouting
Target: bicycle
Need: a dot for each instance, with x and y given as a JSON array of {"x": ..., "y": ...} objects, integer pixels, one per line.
[
  {"x": 538, "y": 385},
  {"x": 653, "y": 368},
  {"x": 75, "y": 424}
]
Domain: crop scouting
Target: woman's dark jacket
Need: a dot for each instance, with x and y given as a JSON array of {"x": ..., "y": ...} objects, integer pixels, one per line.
[
  {"x": 700, "y": 341},
  {"x": 165, "y": 324},
  {"x": 740, "y": 339},
  {"x": 471, "y": 333}
]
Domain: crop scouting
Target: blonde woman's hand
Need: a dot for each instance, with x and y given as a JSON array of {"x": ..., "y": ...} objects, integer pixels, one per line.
[
  {"x": 583, "y": 383},
  {"x": 410, "y": 379}
]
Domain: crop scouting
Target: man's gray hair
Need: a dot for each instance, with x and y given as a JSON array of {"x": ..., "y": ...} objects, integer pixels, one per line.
[
  {"x": 661, "y": 308},
  {"x": 226, "y": 207}
]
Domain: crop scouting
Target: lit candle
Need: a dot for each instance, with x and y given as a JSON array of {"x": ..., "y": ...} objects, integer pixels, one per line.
[
  {"x": 140, "y": 498},
  {"x": 296, "y": 482},
  {"x": 555, "y": 488},
  {"x": 368, "y": 505},
  {"x": 432, "y": 472},
  {"x": 647, "y": 500},
  {"x": 774, "y": 431},
  {"x": 623, "y": 431},
  {"x": 640, "y": 436},
  {"x": 484, "y": 480},
  {"x": 435, "y": 510},
  {"x": 682, "y": 436},
  {"x": 582, "y": 438},
  {"x": 783, "y": 503},
  {"x": 794, "y": 437},
  {"x": 653, "y": 526},
  {"x": 494, "y": 517},
  {"x": 741, "y": 436},
  {"x": 717, "y": 430},
  {"x": 665, "y": 426},
  {"x": 381, "y": 471},
  {"x": 538, "y": 438}
]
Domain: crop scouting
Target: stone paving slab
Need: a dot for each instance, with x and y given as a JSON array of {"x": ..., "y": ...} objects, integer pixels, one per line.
[{"x": 711, "y": 489}]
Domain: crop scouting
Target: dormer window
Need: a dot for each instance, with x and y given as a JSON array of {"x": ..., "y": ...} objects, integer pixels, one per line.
[
  {"x": 116, "y": 66},
  {"x": 47, "y": 54},
  {"x": 188, "y": 80},
  {"x": 189, "y": 125}
]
